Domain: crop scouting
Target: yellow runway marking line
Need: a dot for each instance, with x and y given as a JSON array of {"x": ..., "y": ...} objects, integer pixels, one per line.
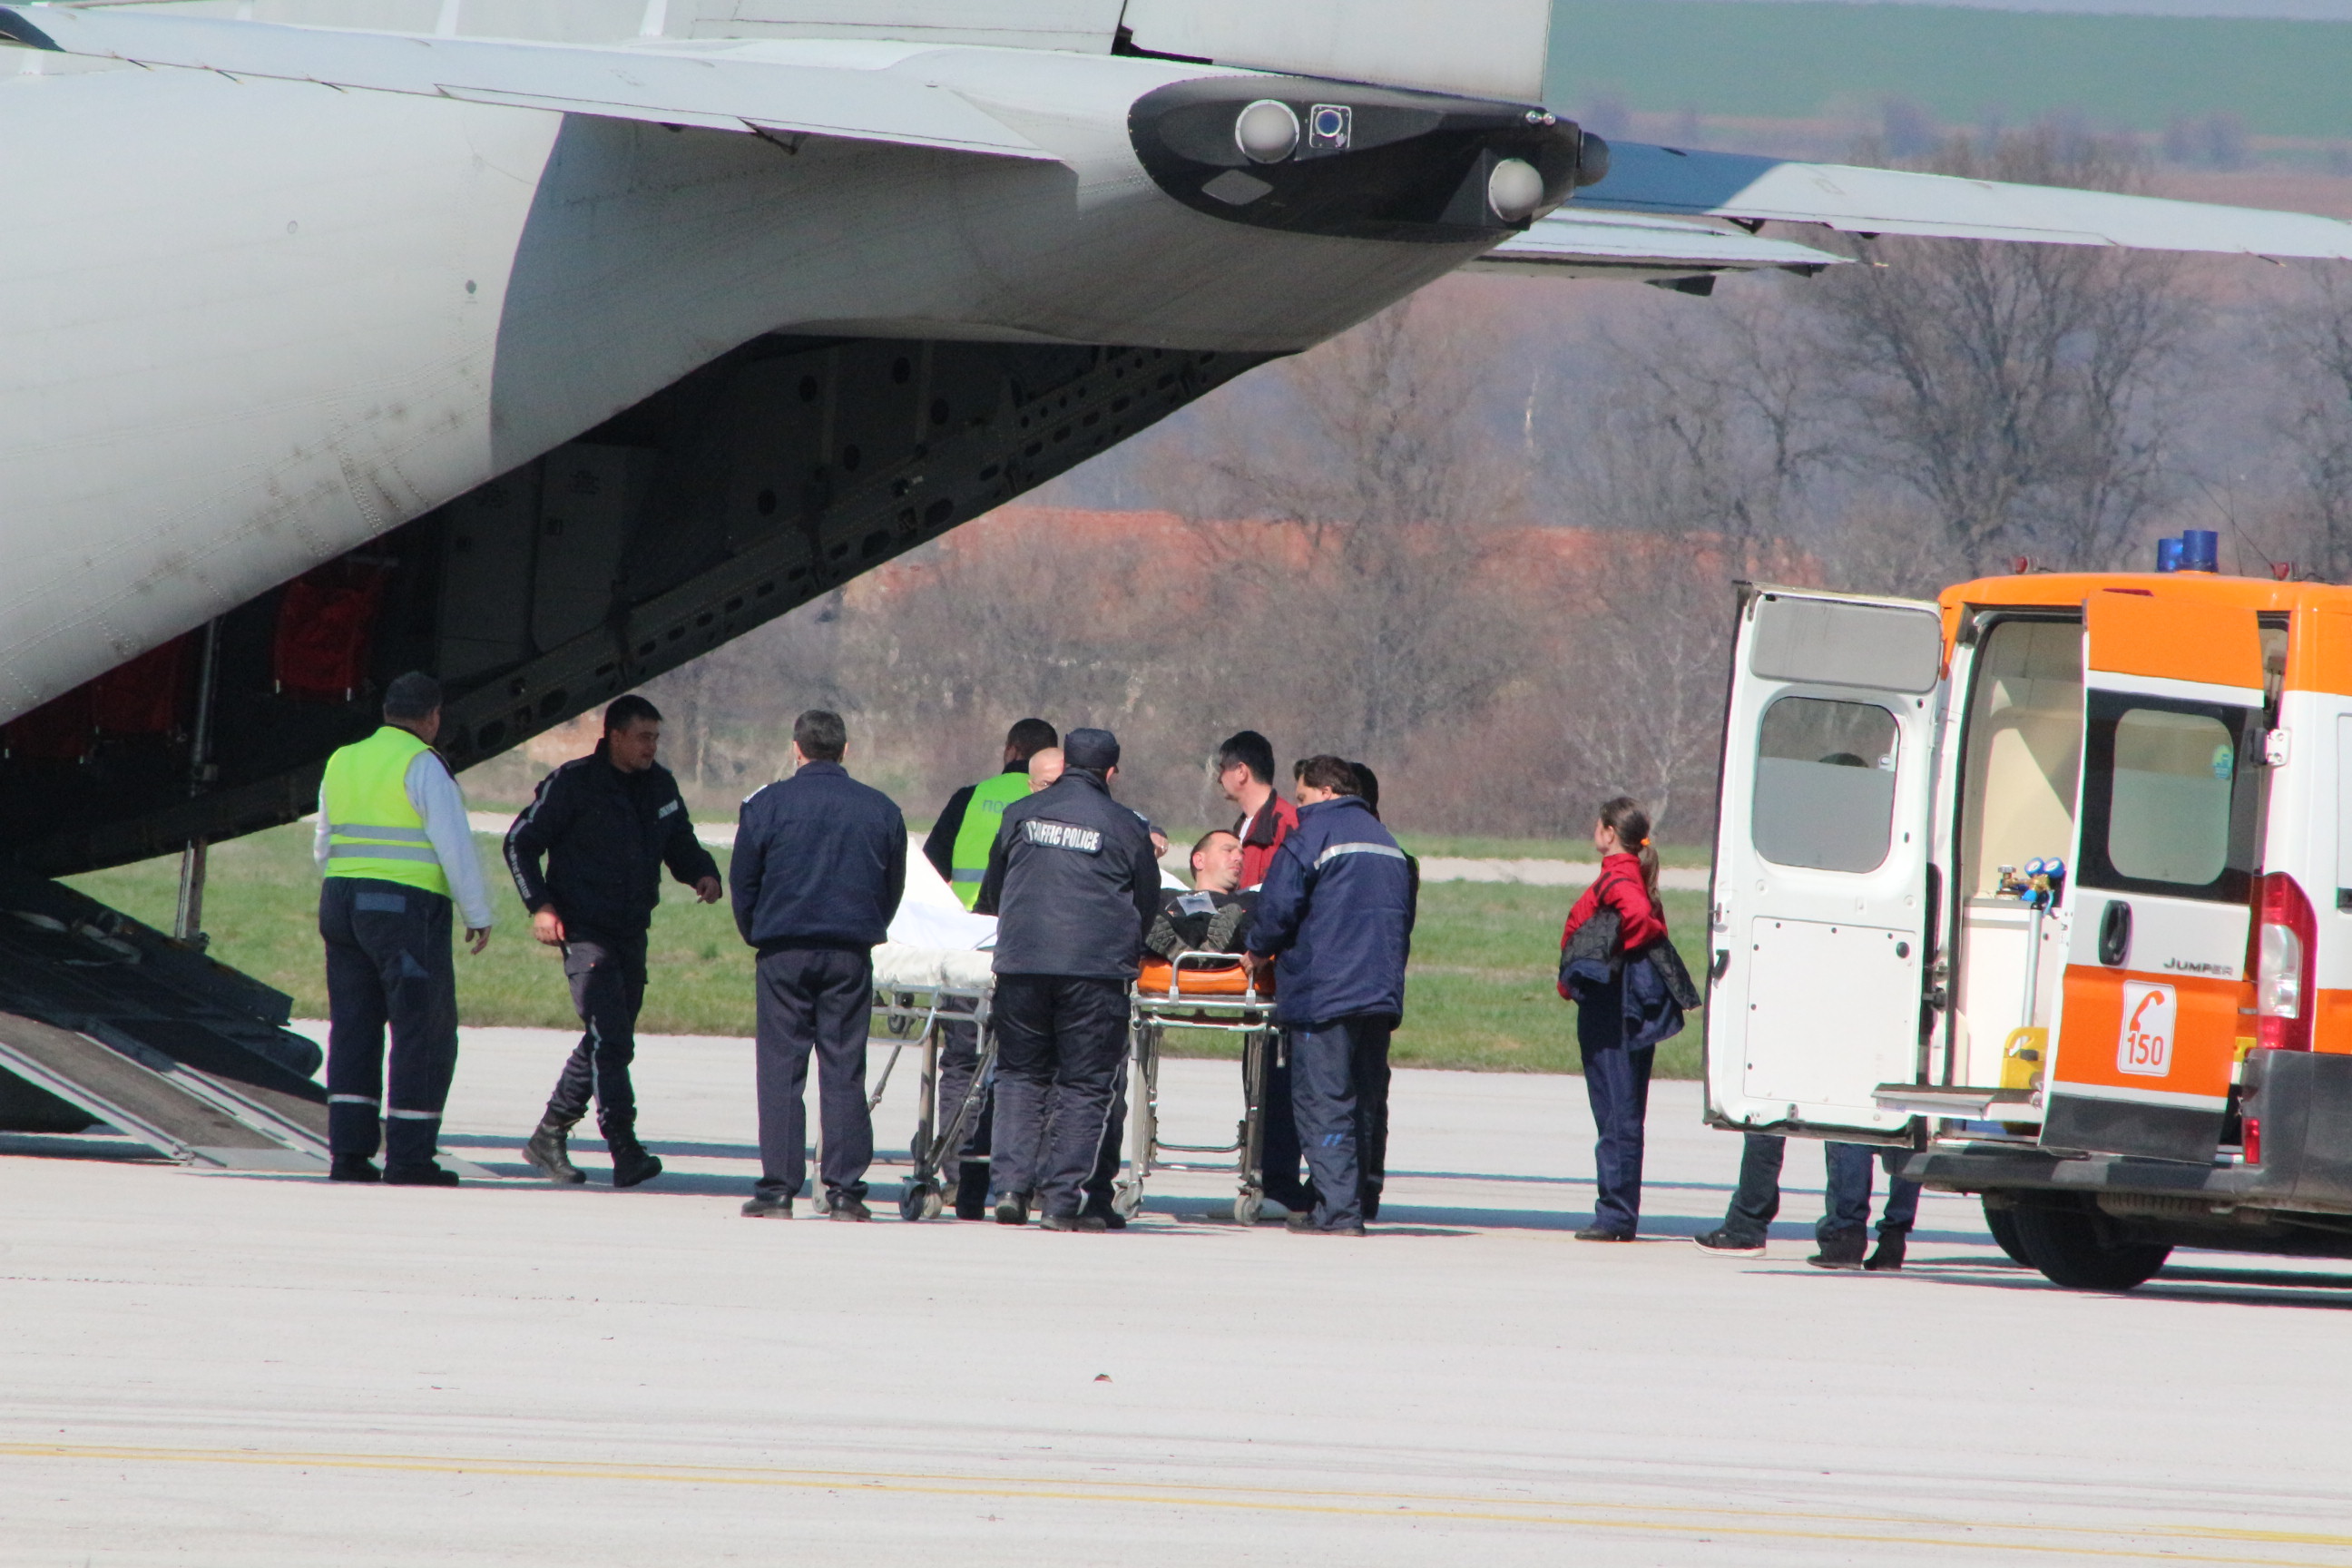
[{"x": 1422, "y": 1507}]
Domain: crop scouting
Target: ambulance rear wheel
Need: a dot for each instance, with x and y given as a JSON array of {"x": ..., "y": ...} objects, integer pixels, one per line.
[
  {"x": 2079, "y": 1247},
  {"x": 2002, "y": 1223}
]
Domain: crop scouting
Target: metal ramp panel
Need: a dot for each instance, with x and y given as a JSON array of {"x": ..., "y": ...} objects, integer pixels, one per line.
[{"x": 125, "y": 1025}]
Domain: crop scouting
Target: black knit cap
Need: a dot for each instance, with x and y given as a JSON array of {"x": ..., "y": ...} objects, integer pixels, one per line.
[{"x": 1093, "y": 750}]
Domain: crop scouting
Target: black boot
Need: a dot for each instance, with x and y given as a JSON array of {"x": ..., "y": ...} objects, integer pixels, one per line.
[
  {"x": 1840, "y": 1250},
  {"x": 353, "y": 1168},
  {"x": 548, "y": 1150},
  {"x": 632, "y": 1166},
  {"x": 1889, "y": 1256},
  {"x": 972, "y": 1189}
]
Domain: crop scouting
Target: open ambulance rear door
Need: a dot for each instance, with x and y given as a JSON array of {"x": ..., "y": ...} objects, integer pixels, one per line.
[
  {"x": 2163, "y": 878},
  {"x": 1820, "y": 909}
]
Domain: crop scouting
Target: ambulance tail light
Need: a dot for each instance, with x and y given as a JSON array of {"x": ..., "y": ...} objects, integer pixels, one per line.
[{"x": 2283, "y": 943}]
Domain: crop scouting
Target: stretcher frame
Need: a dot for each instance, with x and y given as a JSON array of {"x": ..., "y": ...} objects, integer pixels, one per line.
[
  {"x": 1152, "y": 1013},
  {"x": 918, "y": 1016}
]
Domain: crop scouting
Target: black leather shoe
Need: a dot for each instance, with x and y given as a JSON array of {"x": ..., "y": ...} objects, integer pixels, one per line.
[
  {"x": 839, "y": 1207},
  {"x": 1013, "y": 1208},
  {"x": 1840, "y": 1249},
  {"x": 353, "y": 1168},
  {"x": 757, "y": 1208},
  {"x": 632, "y": 1166},
  {"x": 1079, "y": 1222},
  {"x": 550, "y": 1151},
  {"x": 1888, "y": 1258},
  {"x": 426, "y": 1175},
  {"x": 1602, "y": 1233},
  {"x": 1304, "y": 1224}
]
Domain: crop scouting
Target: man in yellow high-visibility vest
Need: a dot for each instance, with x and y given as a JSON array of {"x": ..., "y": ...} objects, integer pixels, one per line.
[{"x": 396, "y": 852}]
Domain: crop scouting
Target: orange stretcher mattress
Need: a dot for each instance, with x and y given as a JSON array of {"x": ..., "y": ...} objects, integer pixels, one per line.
[{"x": 1228, "y": 979}]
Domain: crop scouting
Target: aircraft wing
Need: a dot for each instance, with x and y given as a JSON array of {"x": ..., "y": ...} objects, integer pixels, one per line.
[
  {"x": 1574, "y": 243},
  {"x": 1668, "y": 180},
  {"x": 723, "y": 89}
]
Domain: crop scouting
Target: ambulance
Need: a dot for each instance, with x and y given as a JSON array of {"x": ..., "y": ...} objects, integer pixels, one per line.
[{"x": 2050, "y": 882}]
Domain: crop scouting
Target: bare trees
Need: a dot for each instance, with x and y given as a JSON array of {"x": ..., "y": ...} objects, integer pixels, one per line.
[
  {"x": 2014, "y": 391},
  {"x": 2313, "y": 340}
]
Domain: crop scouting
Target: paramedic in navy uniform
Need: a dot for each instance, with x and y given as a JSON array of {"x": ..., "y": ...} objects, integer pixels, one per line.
[
  {"x": 820, "y": 864},
  {"x": 1338, "y": 909},
  {"x": 1075, "y": 885}
]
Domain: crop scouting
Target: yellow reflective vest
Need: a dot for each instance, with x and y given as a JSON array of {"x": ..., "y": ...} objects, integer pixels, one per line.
[{"x": 373, "y": 829}]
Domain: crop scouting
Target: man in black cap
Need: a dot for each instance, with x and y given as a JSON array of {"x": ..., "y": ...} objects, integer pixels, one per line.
[
  {"x": 1074, "y": 884},
  {"x": 820, "y": 864}
]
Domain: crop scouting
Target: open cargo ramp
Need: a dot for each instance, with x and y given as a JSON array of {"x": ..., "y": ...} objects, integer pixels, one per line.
[{"x": 104, "y": 1020}]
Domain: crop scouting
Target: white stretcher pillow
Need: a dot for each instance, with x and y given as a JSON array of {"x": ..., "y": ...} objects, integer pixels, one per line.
[{"x": 906, "y": 967}]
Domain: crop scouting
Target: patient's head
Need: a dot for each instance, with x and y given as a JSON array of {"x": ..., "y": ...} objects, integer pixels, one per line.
[
  {"x": 1217, "y": 862},
  {"x": 1045, "y": 767}
]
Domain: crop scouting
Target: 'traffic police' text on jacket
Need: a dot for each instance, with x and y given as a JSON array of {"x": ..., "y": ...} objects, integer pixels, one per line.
[
  {"x": 1073, "y": 883},
  {"x": 1337, "y": 908},
  {"x": 605, "y": 835},
  {"x": 820, "y": 861}
]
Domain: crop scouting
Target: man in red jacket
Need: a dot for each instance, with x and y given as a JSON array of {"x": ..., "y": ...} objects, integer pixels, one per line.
[{"x": 1245, "y": 773}]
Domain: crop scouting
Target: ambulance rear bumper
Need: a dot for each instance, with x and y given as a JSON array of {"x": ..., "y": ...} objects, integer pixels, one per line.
[{"x": 2302, "y": 1100}]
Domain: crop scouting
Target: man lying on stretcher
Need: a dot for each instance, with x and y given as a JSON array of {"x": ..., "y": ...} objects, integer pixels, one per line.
[{"x": 1213, "y": 918}]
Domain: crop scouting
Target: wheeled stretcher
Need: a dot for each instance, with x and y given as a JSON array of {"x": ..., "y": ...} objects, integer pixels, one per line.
[
  {"x": 1202, "y": 991},
  {"x": 920, "y": 993}
]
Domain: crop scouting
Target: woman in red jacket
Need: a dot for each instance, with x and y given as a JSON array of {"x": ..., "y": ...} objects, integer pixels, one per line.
[{"x": 1617, "y": 1080}]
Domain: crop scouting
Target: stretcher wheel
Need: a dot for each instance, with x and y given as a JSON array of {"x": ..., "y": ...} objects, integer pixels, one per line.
[
  {"x": 1247, "y": 1207},
  {"x": 919, "y": 1200},
  {"x": 1127, "y": 1200}
]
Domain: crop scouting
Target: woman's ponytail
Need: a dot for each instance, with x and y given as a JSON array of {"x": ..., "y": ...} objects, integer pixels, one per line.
[{"x": 1626, "y": 817}]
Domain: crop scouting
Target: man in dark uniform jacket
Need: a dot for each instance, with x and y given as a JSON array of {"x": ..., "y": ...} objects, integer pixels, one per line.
[
  {"x": 1073, "y": 885},
  {"x": 819, "y": 865},
  {"x": 606, "y": 824}
]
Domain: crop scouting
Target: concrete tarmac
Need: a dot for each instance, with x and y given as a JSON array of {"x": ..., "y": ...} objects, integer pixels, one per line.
[{"x": 237, "y": 1370}]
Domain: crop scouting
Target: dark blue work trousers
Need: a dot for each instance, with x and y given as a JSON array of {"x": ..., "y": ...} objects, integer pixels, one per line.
[
  {"x": 388, "y": 964},
  {"x": 817, "y": 1000},
  {"x": 1061, "y": 1046},
  {"x": 1338, "y": 1094},
  {"x": 1846, "y": 1207},
  {"x": 1617, "y": 1082},
  {"x": 607, "y": 976}
]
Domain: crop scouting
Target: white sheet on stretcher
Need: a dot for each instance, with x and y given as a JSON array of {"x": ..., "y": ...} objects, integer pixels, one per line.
[{"x": 934, "y": 940}]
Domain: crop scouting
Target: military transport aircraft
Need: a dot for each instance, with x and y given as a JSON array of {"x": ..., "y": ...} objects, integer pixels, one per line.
[{"x": 546, "y": 344}]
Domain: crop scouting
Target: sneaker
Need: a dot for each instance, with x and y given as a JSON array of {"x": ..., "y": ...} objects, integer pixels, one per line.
[
  {"x": 353, "y": 1168},
  {"x": 1724, "y": 1244},
  {"x": 1602, "y": 1233},
  {"x": 839, "y": 1207},
  {"x": 1079, "y": 1222},
  {"x": 1304, "y": 1224},
  {"x": 757, "y": 1208},
  {"x": 428, "y": 1175},
  {"x": 1013, "y": 1208},
  {"x": 1888, "y": 1258},
  {"x": 1840, "y": 1250}
]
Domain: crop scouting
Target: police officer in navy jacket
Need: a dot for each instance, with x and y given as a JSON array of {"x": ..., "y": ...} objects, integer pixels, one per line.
[
  {"x": 1075, "y": 885},
  {"x": 1336, "y": 916},
  {"x": 820, "y": 864}
]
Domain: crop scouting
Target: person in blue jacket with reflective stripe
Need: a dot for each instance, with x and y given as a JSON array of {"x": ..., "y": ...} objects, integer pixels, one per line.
[{"x": 1335, "y": 915}]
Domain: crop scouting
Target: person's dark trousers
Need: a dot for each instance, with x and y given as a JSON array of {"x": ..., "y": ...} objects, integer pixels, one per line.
[
  {"x": 1617, "y": 1082},
  {"x": 1846, "y": 1204},
  {"x": 1060, "y": 1041},
  {"x": 1330, "y": 1067},
  {"x": 821, "y": 1000},
  {"x": 388, "y": 962},
  {"x": 1372, "y": 1117},
  {"x": 1102, "y": 1182},
  {"x": 959, "y": 1062},
  {"x": 607, "y": 976},
  {"x": 1756, "y": 1202},
  {"x": 1279, "y": 1158}
]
